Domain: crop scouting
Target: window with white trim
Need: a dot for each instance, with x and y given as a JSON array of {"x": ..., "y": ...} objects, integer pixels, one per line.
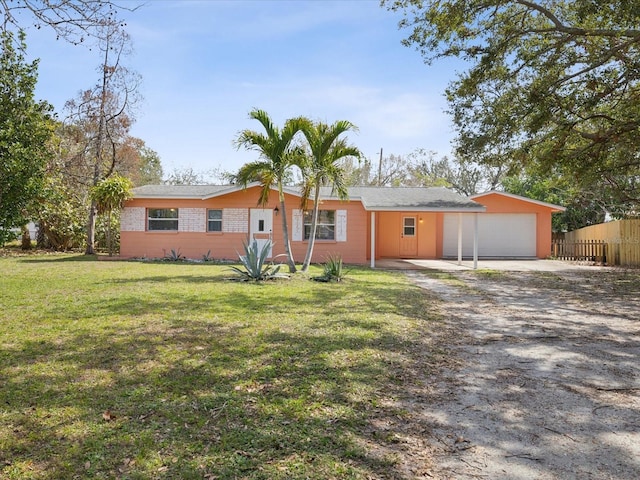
[
  {"x": 162, "y": 219},
  {"x": 325, "y": 227},
  {"x": 409, "y": 226},
  {"x": 214, "y": 220}
]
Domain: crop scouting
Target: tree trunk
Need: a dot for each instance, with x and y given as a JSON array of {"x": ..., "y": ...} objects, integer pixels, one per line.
[
  {"x": 109, "y": 241},
  {"x": 285, "y": 231},
  {"x": 314, "y": 226},
  {"x": 26, "y": 238},
  {"x": 97, "y": 167},
  {"x": 41, "y": 237},
  {"x": 91, "y": 230}
]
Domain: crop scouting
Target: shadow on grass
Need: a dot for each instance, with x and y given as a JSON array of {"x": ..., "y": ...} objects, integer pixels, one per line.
[
  {"x": 188, "y": 384},
  {"x": 56, "y": 257}
]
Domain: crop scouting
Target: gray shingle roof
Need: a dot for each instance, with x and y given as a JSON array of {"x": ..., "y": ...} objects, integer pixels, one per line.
[
  {"x": 409, "y": 198},
  {"x": 180, "y": 191},
  {"x": 372, "y": 198}
]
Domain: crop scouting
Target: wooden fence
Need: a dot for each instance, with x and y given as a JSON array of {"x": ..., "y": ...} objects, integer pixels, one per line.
[
  {"x": 582, "y": 250},
  {"x": 622, "y": 239}
]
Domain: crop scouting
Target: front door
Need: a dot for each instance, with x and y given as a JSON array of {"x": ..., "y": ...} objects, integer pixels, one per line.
[
  {"x": 261, "y": 227},
  {"x": 409, "y": 237}
]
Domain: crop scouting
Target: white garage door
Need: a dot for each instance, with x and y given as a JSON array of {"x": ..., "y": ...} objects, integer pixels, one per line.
[{"x": 501, "y": 235}]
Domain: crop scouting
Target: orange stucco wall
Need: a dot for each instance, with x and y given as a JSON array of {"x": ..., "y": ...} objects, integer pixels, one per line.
[
  {"x": 224, "y": 245},
  {"x": 357, "y": 248},
  {"x": 497, "y": 203},
  {"x": 389, "y": 234}
]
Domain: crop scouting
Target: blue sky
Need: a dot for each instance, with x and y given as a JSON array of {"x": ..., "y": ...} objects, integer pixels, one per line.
[{"x": 205, "y": 64}]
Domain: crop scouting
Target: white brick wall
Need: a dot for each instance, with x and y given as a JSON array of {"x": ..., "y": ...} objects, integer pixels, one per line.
[
  {"x": 235, "y": 220},
  {"x": 133, "y": 219},
  {"x": 192, "y": 219}
]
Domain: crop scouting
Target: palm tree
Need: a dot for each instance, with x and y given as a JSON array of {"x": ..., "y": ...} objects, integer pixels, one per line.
[
  {"x": 278, "y": 154},
  {"x": 110, "y": 194},
  {"x": 326, "y": 148}
]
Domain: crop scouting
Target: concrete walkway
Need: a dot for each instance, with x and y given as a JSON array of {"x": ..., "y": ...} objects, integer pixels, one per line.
[{"x": 522, "y": 265}]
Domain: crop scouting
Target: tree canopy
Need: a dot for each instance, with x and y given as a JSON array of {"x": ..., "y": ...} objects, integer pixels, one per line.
[
  {"x": 110, "y": 194},
  {"x": 549, "y": 84},
  {"x": 73, "y": 21},
  {"x": 26, "y": 129}
]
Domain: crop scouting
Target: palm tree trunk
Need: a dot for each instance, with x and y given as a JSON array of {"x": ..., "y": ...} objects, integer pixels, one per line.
[
  {"x": 285, "y": 231},
  {"x": 314, "y": 226}
]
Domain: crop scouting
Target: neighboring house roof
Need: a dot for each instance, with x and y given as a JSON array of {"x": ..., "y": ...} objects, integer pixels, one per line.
[
  {"x": 180, "y": 191},
  {"x": 554, "y": 208},
  {"x": 372, "y": 198}
]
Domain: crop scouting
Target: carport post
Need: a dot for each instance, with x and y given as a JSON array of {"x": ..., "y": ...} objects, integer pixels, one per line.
[
  {"x": 459, "y": 238},
  {"x": 373, "y": 239},
  {"x": 475, "y": 241}
]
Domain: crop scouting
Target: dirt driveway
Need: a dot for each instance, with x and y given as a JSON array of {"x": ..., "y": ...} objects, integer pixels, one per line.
[{"x": 545, "y": 377}]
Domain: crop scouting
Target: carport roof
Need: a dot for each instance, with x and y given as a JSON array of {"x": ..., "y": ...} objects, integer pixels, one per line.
[
  {"x": 435, "y": 199},
  {"x": 421, "y": 199}
]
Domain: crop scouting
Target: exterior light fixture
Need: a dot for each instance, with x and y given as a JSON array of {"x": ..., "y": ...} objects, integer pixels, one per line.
[{"x": 276, "y": 210}]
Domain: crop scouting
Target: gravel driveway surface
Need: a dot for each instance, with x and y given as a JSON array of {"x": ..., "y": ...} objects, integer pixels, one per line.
[{"x": 545, "y": 377}]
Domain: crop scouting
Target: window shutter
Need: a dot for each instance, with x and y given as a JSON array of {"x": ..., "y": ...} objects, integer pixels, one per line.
[
  {"x": 341, "y": 225},
  {"x": 297, "y": 228}
]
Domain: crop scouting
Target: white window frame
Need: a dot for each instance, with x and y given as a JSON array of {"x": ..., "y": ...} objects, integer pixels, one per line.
[
  {"x": 219, "y": 221},
  {"x": 412, "y": 226},
  {"x": 307, "y": 223},
  {"x": 175, "y": 219}
]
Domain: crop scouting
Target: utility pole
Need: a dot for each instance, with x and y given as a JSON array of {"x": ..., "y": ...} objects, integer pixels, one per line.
[{"x": 380, "y": 169}]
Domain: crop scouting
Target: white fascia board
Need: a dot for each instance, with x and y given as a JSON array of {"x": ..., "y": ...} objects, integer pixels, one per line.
[
  {"x": 426, "y": 209},
  {"x": 231, "y": 189},
  {"x": 168, "y": 197}
]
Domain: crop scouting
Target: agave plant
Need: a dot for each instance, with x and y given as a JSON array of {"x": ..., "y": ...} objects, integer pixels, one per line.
[
  {"x": 174, "y": 255},
  {"x": 254, "y": 263},
  {"x": 333, "y": 270}
]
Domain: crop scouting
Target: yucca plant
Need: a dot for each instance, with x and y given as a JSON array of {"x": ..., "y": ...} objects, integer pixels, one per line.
[
  {"x": 254, "y": 263},
  {"x": 333, "y": 270},
  {"x": 174, "y": 255}
]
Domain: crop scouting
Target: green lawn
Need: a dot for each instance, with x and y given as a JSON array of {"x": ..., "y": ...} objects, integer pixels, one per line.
[{"x": 168, "y": 370}]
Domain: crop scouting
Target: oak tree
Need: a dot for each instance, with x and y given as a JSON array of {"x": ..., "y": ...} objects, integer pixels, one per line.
[
  {"x": 73, "y": 21},
  {"x": 549, "y": 83}
]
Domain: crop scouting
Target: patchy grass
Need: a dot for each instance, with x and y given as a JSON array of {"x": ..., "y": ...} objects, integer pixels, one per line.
[
  {"x": 444, "y": 276},
  {"x": 166, "y": 370},
  {"x": 488, "y": 273}
]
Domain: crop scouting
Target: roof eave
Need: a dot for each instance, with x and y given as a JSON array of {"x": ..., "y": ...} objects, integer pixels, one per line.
[
  {"x": 553, "y": 207},
  {"x": 172, "y": 197},
  {"x": 400, "y": 208},
  {"x": 226, "y": 191}
]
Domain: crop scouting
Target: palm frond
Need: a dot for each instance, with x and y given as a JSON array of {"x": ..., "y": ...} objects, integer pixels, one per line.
[
  {"x": 266, "y": 122},
  {"x": 252, "y": 171}
]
